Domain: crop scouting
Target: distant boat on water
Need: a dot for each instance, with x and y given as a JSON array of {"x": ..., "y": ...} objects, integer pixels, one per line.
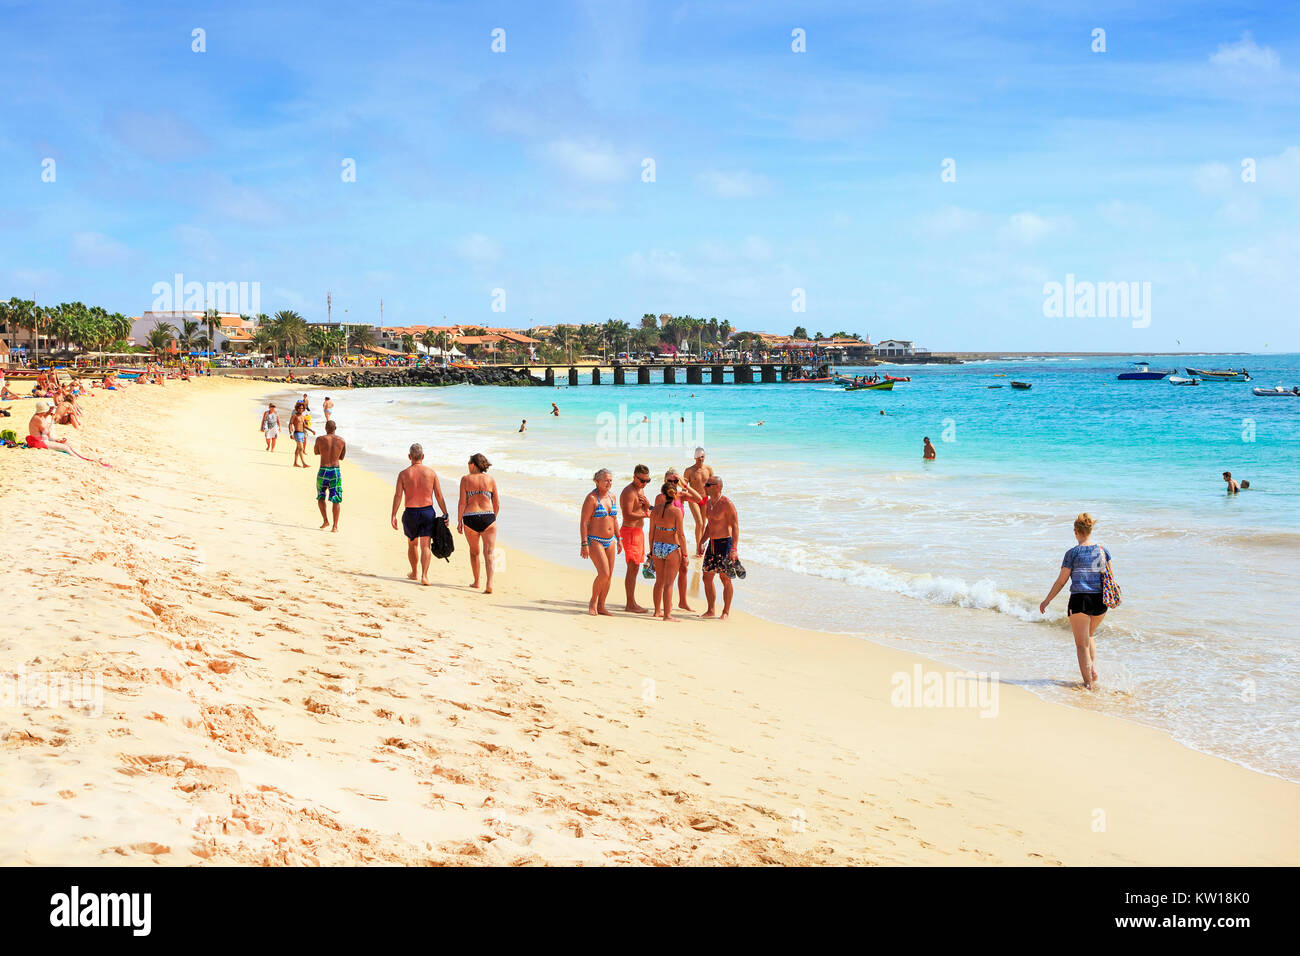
[
  {"x": 1220, "y": 375},
  {"x": 1179, "y": 380},
  {"x": 1143, "y": 372},
  {"x": 1278, "y": 392},
  {"x": 1022, "y": 385}
]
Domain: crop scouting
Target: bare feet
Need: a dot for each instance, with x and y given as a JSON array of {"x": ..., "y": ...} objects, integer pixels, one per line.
[
  {"x": 671, "y": 620},
  {"x": 1094, "y": 675},
  {"x": 707, "y": 614},
  {"x": 605, "y": 611},
  {"x": 335, "y": 529},
  {"x": 683, "y": 606},
  {"x": 324, "y": 526},
  {"x": 725, "y": 615},
  {"x": 411, "y": 576},
  {"x": 487, "y": 590},
  {"x": 425, "y": 582},
  {"x": 636, "y": 609}
]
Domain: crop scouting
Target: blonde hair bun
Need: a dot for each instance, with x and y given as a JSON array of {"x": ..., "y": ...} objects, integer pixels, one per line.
[{"x": 1084, "y": 523}]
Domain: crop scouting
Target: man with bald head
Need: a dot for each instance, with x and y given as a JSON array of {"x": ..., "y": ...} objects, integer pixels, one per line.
[
  {"x": 722, "y": 530},
  {"x": 419, "y": 485}
]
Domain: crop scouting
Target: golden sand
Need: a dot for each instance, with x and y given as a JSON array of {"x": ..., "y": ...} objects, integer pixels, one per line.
[{"x": 276, "y": 694}]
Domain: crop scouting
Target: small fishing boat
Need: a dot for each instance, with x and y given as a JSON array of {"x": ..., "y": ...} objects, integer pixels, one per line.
[
  {"x": 885, "y": 386},
  {"x": 810, "y": 381},
  {"x": 898, "y": 378},
  {"x": 1143, "y": 372},
  {"x": 1022, "y": 385},
  {"x": 1279, "y": 392},
  {"x": 993, "y": 386},
  {"x": 1179, "y": 380},
  {"x": 1220, "y": 375}
]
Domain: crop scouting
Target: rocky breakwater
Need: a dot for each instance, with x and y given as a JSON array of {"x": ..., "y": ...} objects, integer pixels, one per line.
[{"x": 408, "y": 377}]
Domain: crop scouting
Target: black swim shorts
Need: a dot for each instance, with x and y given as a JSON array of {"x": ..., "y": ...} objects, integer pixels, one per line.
[
  {"x": 1087, "y": 602},
  {"x": 418, "y": 522}
]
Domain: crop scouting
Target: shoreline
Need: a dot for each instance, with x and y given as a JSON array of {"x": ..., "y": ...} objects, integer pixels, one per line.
[{"x": 516, "y": 764}]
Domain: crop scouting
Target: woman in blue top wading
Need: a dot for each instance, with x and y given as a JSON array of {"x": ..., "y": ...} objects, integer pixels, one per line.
[{"x": 1082, "y": 567}]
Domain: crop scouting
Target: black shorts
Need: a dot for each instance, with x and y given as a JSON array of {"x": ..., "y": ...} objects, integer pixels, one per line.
[
  {"x": 418, "y": 522},
  {"x": 718, "y": 555},
  {"x": 1089, "y": 603},
  {"x": 479, "y": 522}
]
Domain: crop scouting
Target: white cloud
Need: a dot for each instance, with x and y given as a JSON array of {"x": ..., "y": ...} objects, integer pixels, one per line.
[
  {"x": 1213, "y": 178},
  {"x": 737, "y": 184},
  {"x": 1245, "y": 55},
  {"x": 95, "y": 250},
  {"x": 1029, "y": 227},
  {"x": 479, "y": 249},
  {"x": 590, "y": 160},
  {"x": 950, "y": 221}
]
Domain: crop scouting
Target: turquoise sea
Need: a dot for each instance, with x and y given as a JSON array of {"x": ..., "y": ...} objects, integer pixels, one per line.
[{"x": 845, "y": 528}]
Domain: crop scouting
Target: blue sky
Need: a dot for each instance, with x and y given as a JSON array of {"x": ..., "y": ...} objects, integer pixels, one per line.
[{"x": 774, "y": 170}]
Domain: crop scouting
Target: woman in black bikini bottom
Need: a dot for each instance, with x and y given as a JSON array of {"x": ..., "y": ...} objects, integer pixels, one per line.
[{"x": 477, "y": 514}]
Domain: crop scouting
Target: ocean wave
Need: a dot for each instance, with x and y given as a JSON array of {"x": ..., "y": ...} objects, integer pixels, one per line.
[{"x": 983, "y": 594}]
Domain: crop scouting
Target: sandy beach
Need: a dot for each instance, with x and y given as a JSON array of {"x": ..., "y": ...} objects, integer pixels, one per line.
[{"x": 274, "y": 694}]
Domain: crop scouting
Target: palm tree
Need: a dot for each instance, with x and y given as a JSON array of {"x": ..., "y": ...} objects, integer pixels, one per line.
[
  {"x": 429, "y": 340},
  {"x": 187, "y": 333},
  {"x": 291, "y": 331},
  {"x": 319, "y": 342},
  {"x": 263, "y": 339},
  {"x": 210, "y": 316},
  {"x": 160, "y": 336},
  {"x": 362, "y": 336},
  {"x": 408, "y": 343}
]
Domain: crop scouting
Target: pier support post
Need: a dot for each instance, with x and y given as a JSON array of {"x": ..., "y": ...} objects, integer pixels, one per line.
[
  {"x": 643, "y": 375},
  {"x": 573, "y": 376},
  {"x": 768, "y": 373},
  {"x": 744, "y": 375},
  {"x": 595, "y": 375},
  {"x": 717, "y": 376},
  {"x": 670, "y": 375},
  {"x": 550, "y": 376},
  {"x": 620, "y": 375},
  {"x": 694, "y": 375}
]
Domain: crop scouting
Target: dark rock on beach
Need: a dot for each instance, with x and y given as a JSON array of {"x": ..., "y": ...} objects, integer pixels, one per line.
[{"x": 407, "y": 377}]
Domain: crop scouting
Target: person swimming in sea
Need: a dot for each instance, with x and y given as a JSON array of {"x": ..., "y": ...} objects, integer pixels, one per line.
[
  {"x": 1233, "y": 487},
  {"x": 1082, "y": 567},
  {"x": 523, "y": 425},
  {"x": 598, "y": 530},
  {"x": 476, "y": 515},
  {"x": 927, "y": 452}
]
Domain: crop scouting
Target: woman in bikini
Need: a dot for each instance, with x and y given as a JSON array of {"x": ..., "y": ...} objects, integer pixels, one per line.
[
  {"x": 298, "y": 427},
  {"x": 667, "y": 546},
  {"x": 476, "y": 515},
  {"x": 598, "y": 529},
  {"x": 685, "y": 493}
]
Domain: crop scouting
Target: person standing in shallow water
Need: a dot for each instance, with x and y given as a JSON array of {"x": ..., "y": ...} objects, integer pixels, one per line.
[
  {"x": 927, "y": 451},
  {"x": 476, "y": 516},
  {"x": 1082, "y": 566}
]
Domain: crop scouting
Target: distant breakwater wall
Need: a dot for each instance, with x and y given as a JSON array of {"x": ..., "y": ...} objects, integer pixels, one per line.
[{"x": 391, "y": 377}]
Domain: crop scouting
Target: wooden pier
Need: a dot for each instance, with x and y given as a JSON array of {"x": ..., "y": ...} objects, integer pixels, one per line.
[{"x": 703, "y": 373}]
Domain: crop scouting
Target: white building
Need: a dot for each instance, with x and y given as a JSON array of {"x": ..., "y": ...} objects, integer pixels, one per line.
[{"x": 894, "y": 348}]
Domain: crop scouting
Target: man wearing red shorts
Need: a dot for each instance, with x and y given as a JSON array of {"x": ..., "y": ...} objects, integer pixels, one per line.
[{"x": 635, "y": 508}]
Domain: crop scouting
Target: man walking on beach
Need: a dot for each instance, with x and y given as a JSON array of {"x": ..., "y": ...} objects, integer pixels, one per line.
[
  {"x": 329, "y": 478},
  {"x": 419, "y": 485},
  {"x": 722, "y": 527},
  {"x": 635, "y": 507},
  {"x": 697, "y": 476}
]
